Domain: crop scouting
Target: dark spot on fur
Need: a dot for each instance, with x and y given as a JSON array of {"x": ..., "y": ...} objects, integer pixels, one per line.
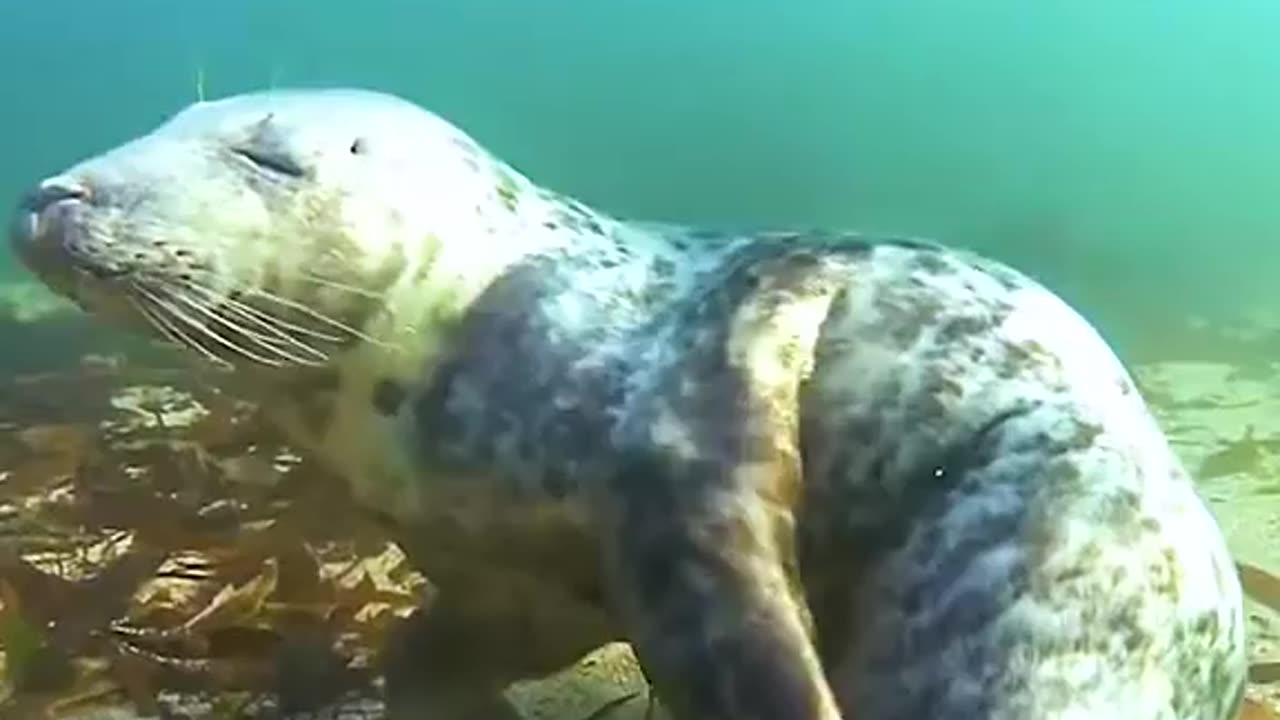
[
  {"x": 1086, "y": 433},
  {"x": 508, "y": 194},
  {"x": 1031, "y": 358},
  {"x": 664, "y": 268},
  {"x": 388, "y": 395},
  {"x": 906, "y": 315},
  {"x": 960, "y": 327},
  {"x": 546, "y": 428},
  {"x": 928, "y": 261}
]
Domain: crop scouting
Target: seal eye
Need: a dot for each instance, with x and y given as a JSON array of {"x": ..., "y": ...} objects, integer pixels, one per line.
[
  {"x": 271, "y": 162},
  {"x": 358, "y": 146}
]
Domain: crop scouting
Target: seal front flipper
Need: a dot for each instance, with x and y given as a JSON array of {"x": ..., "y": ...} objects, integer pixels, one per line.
[
  {"x": 699, "y": 516},
  {"x": 707, "y": 587}
]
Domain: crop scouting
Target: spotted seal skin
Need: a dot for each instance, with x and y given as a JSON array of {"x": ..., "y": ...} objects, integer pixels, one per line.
[{"x": 808, "y": 475}]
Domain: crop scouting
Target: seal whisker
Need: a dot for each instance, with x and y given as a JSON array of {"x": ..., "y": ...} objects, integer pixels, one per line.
[
  {"x": 265, "y": 318},
  {"x": 155, "y": 313},
  {"x": 326, "y": 282},
  {"x": 150, "y": 316},
  {"x": 182, "y": 316},
  {"x": 167, "y": 317},
  {"x": 317, "y": 357},
  {"x": 316, "y": 314},
  {"x": 240, "y": 313},
  {"x": 262, "y": 341},
  {"x": 261, "y": 349}
]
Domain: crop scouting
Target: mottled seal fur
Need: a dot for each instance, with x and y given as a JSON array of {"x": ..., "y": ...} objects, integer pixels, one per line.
[{"x": 806, "y": 475}]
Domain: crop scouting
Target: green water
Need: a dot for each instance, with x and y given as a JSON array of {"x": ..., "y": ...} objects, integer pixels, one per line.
[{"x": 1126, "y": 152}]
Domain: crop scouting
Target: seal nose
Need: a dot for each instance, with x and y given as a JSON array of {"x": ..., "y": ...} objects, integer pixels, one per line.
[
  {"x": 35, "y": 229},
  {"x": 55, "y": 190}
]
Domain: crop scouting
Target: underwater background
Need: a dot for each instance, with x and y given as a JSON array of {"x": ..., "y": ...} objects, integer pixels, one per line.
[{"x": 1125, "y": 153}]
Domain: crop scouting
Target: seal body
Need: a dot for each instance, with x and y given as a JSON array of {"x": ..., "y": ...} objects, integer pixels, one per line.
[{"x": 806, "y": 475}]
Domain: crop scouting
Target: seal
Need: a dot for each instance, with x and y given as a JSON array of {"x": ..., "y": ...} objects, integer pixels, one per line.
[{"x": 808, "y": 476}]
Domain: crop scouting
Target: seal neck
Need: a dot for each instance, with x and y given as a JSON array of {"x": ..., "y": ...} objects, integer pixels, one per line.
[
  {"x": 552, "y": 343},
  {"x": 590, "y": 269}
]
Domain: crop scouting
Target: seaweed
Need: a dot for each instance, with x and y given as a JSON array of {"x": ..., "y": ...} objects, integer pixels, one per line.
[
  {"x": 160, "y": 543},
  {"x": 1264, "y": 588},
  {"x": 1247, "y": 455},
  {"x": 1260, "y": 585}
]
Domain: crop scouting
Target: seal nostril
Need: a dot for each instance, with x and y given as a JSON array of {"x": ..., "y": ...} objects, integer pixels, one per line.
[{"x": 55, "y": 190}]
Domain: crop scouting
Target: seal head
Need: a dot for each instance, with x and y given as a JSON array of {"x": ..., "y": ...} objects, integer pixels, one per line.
[{"x": 294, "y": 236}]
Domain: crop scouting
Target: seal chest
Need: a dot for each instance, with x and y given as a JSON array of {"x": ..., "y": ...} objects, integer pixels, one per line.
[{"x": 805, "y": 475}]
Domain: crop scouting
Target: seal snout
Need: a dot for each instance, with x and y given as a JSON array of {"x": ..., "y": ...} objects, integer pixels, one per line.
[
  {"x": 41, "y": 211},
  {"x": 46, "y": 232},
  {"x": 55, "y": 190}
]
